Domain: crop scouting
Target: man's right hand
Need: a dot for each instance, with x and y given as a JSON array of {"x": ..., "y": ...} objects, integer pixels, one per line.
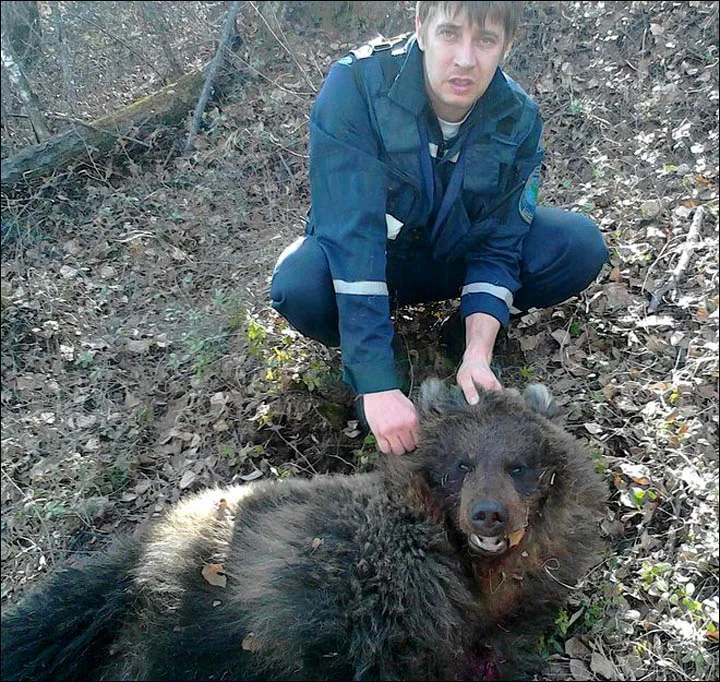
[{"x": 393, "y": 420}]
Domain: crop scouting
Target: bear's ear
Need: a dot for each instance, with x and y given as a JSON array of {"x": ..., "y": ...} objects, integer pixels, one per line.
[
  {"x": 538, "y": 398},
  {"x": 436, "y": 398}
]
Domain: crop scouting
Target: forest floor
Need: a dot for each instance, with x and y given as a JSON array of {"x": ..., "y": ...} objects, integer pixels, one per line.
[{"x": 141, "y": 361}]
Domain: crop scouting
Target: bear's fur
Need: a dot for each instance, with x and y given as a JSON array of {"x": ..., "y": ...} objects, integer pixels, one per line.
[{"x": 441, "y": 565}]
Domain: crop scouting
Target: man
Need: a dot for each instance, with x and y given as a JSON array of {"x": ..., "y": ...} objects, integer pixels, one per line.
[{"x": 424, "y": 173}]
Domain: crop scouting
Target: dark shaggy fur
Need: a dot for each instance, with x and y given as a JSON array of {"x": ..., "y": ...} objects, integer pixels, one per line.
[{"x": 438, "y": 566}]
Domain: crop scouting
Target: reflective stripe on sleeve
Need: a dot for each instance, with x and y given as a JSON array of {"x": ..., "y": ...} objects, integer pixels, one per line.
[
  {"x": 360, "y": 288},
  {"x": 485, "y": 288}
]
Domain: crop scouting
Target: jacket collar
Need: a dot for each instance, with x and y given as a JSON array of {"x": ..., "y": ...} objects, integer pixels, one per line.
[{"x": 408, "y": 90}]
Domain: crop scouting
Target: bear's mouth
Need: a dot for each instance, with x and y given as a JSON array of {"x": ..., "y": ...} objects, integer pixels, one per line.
[
  {"x": 494, "y": 545},
  {"x": 487, "y": 545}
]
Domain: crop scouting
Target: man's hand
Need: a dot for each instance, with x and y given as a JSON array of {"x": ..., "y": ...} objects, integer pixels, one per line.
[
  {"x": 393, "y": 420},
  {"x": 474, "y": 374},
  {"x": 480, "y": 334}
]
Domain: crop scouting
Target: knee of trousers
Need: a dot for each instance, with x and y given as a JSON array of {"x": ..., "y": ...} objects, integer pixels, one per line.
[
  {"x": 589, "y": 251},
  {"x": 302, "y": 291},
  {"x": 565, "y": 263}
]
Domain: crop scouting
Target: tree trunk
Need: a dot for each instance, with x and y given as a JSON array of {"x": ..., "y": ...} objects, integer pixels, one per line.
[
  {"x": 169, "y": 106},
  {"x": 22, "y": 89},
  {"x": 156, "y": 22},
  {"x": 65, "y": 57},
  {"x": 21, "y": 22},
  {"x": 213, "y": 71}
]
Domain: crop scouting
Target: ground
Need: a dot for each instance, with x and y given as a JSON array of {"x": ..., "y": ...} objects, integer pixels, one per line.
[{"x": 141, "y": 361}]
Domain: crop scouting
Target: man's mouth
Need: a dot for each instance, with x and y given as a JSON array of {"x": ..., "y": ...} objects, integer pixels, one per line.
[{"x": 461, "y": 86}]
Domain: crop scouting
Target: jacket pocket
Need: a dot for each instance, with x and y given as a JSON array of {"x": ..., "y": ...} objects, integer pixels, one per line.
[{"x": 484, "y": 163}]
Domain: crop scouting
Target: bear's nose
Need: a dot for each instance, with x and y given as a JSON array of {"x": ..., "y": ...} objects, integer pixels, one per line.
[{"x": 488, "y": 516}]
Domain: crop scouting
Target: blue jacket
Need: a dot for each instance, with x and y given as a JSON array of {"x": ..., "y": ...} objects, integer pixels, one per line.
[{"x": 378, "y": 176}]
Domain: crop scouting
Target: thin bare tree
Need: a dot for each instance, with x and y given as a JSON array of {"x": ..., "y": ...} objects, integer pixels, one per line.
[
  {"x": 66, "y": 64},
  {"x": 227, "y": 33},
  {"x": 21, "y": 22},
  {"x": 22, "y": 89},
  {"x": 156, "y": 21}
]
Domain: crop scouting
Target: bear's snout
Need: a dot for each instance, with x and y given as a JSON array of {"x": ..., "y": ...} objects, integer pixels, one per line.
[{"x": 488, "y": 517}]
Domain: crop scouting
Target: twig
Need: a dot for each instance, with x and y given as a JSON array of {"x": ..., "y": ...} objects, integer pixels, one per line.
[
  {"x": 284, "y": 163},
  {"x": 287, "y": 42},
  {"x": 43, "y": 525},
  {"x": 285, "y": 47},
  {"x": 213, "y": 70},
  {"x": 679, "y": 271},
  {"x": 121, "y": 41},
  {"x": 295, "y": 449},
  {"x": 236, "y": 57}
]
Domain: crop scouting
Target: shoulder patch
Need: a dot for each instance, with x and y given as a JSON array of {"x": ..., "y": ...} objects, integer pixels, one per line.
[
  {"x": 345, "y": 61},
  {"x": 363, "y": 52},
  {"x": 529, "y": 197},
  {"x": 397, "y": 44}
]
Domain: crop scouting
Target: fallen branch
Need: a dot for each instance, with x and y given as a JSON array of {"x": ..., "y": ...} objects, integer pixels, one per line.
[
  {"x": 139, "y": 120},
  {"x": 213, "y": 70},
  {"x": 679, "y": 271}
]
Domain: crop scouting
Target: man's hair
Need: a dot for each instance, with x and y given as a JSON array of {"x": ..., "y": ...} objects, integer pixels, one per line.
[{"x": 505, "y": 13}]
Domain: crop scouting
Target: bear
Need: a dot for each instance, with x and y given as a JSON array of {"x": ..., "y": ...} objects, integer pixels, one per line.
[{"x": 442, "y": 564}]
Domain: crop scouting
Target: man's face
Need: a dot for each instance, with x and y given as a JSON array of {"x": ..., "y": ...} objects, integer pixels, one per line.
[{"x": 460, "y": 60}]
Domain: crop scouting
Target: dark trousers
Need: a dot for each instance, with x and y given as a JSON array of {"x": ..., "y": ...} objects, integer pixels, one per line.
[{"x": 562, "y": 253}]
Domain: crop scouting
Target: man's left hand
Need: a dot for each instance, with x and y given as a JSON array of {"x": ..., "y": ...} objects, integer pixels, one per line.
[
  {"x": 474, "y": 374},
  {"x": 480, "y": 334}
]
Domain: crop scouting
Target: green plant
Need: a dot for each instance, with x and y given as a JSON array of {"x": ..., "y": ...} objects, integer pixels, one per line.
[
  {"x": 55, "y": 510},
  {"x": 84, "y": 359},
  {"x": 562, "y": 622},
  {"x": 119, "y": 475},
  {"x": 637, "y": 497},
  {"x": 257, "y": 338},
  {"x": 575, "y": 107},
  {"x": 367, "y": 454}
]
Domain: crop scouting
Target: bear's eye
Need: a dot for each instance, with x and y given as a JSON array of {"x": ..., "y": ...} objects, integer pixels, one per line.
[
  {"x": 518, "y": 471},
  {"x": 465, "y": 467}
]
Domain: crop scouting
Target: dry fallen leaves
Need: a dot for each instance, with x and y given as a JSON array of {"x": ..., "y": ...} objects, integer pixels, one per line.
[
  {"x": 579, "y": 670},
  {"x": 516, "y": 536},
  {"x": 602, "y": 665},
  {"x": 213, "y": 574},
  {"x": 188, "y": 478},
  {"x": 251, "y": 642}
]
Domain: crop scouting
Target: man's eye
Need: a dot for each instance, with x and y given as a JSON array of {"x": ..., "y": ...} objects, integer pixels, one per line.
[{"x": 486, "y": 41}]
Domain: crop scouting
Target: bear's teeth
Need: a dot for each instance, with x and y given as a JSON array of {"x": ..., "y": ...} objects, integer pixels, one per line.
[{"x": 495, "y": 544}]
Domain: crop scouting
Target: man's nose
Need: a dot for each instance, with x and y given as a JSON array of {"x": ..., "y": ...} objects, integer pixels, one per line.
[{"x": 465, "y": 55}]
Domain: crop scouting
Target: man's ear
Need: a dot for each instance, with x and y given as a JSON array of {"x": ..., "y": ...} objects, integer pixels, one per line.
[
  {"x": 418, "y": 31},
  {"x": 507, "y": 50}
]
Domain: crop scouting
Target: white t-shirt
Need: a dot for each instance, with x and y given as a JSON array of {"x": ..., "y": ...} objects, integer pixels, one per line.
[{"x": 450, "y": 130}]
